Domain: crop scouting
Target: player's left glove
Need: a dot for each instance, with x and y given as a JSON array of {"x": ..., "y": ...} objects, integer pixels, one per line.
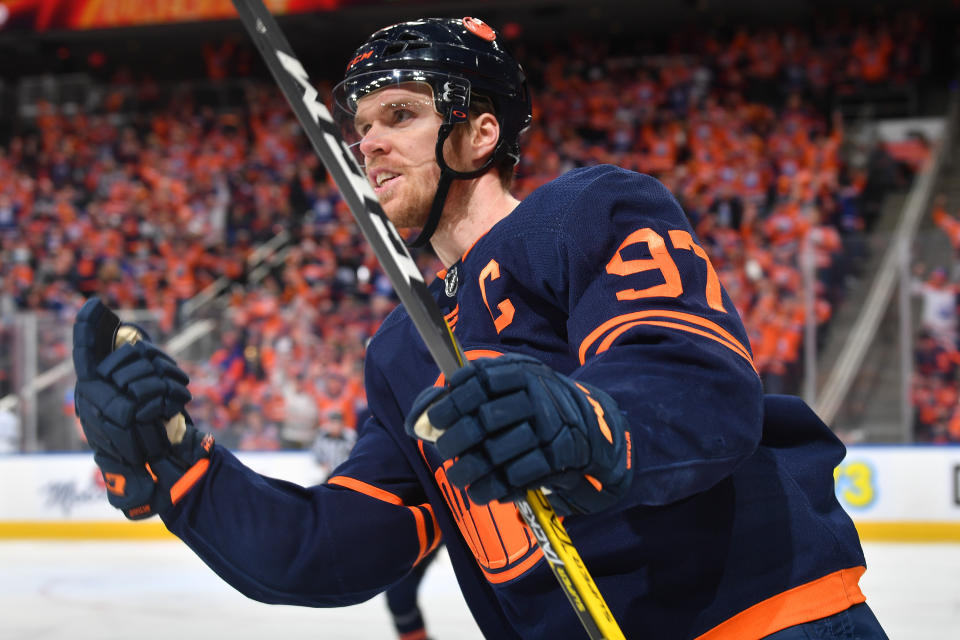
[
  {"x": 512, "y": 424},
  {"x": 132, "y": 406}
]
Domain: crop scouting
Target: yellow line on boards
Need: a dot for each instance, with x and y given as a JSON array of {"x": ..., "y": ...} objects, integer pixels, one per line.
[
  {"x": 907, "y": 531},
  {"x": 59, "y": 530}
]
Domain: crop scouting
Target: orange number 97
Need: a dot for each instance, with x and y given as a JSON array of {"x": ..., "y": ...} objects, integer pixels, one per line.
[{"x": 660, "y": 259}]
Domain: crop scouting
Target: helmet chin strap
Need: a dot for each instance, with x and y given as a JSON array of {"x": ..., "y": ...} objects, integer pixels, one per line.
[{"x": 447, "y": 176}]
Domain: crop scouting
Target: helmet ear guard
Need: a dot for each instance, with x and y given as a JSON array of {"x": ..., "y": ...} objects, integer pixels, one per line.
[{"x": 456, "y": 100}]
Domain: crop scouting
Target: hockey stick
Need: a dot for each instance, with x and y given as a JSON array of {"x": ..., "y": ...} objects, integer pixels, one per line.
[{"x": 407, "y": 281}]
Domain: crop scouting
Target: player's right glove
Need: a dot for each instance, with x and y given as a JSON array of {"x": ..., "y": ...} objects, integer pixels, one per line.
[
  {"x": 131, "y": 402},
  {"x": 512, "y": 423}
]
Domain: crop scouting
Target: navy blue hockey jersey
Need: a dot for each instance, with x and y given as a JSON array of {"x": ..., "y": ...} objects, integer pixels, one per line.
[{"x": 731, "y": 530}]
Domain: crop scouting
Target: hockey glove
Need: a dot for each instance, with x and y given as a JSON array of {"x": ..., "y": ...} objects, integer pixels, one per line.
[
  {"x": 512, "y": 424},
  {"x": 131, "y": 404}
]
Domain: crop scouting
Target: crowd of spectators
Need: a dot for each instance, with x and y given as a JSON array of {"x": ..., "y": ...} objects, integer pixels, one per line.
[
  {"x": 741, "y": 129},
  {"x": 147, "y": 207},
  {"x": 935, "y": 392}
]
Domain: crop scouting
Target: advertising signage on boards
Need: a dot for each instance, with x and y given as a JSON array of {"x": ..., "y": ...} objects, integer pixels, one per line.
[{"x": 58, "y": 15}]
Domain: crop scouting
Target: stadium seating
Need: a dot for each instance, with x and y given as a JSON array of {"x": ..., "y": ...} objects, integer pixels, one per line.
[{"x": 146, "y": 209}]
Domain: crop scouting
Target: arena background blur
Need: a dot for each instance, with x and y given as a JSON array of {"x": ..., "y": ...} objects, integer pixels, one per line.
[{"x": 147, "y": 157}]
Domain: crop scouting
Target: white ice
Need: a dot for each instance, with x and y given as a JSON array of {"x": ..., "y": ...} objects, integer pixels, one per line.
[{"x": 160, "y": 591}]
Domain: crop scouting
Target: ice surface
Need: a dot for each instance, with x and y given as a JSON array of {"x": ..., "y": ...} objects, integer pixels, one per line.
[{"x": 160, "y": 590}]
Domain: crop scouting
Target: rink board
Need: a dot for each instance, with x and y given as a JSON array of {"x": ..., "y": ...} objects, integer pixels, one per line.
[{"x": 893, "y": 493}]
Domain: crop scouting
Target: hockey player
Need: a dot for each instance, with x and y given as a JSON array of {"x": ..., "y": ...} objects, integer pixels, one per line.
[{"x": 608, "y": 366}]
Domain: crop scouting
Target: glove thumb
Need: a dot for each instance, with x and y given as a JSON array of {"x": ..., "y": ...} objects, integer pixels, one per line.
[
  {"x": 418, "y": 423},
  {"x": 94, "y": 332}
]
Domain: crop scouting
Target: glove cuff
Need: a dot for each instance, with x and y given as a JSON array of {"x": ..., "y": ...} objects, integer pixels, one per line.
[
  {"x": 188, "y": 480},
  {"x": 608, "y": 475},
  {"x": 180, "y": 472}
]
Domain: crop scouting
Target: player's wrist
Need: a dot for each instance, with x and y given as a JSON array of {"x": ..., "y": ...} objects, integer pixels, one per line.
[{"x": 179, "y": 473}]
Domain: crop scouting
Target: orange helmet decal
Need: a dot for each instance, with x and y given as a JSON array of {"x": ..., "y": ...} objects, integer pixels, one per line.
[{"x": 480, "y": 28}]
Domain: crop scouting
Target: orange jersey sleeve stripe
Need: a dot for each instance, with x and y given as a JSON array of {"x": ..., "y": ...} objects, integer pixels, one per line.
[
  {"x": 421, "y": 534},
  {"x": 425, "y": 545},
  {"x": 187, "y": 480},
  {"x": 452, "y": 316},
  {"x": 437, "y": 535},
  {"x": 605, "y": 344},
  {"x": 472, "y": 354},
  {"x": 594, "y": 335},
  {"x": 833, "y": 593},
  {"x": 367, "y": 489},
  {"x": 385, "y": 496},
  {"x": 736, "y": 345}
]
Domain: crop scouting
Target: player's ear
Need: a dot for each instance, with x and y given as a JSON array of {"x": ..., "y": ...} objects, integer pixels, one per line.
[{"x": 484, "y": 134}]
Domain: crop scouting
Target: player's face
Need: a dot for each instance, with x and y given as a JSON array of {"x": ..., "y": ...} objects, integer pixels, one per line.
[{"x": 399, "y": 128}]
